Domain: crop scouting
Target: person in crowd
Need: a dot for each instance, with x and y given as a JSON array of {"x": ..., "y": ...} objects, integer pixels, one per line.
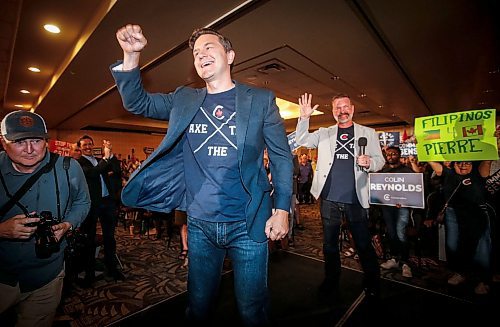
[
  {"x": 294, "y": 216},
  {"x": 103, "y": 198},
  {"x": 467, "y": 222},
  {"x": 116, "y": 183},
  {"x": 427, "y": 239},
  {"x": 75, "y": 152},
  {"x": 493, "y": 191},
  {"x": 341, "y": 181},
  {"x": 304, "y": 180},
  {"x": 396, "y": 219},
  {"x": 31, "y": 274},
  {"x": 115, "y": 179},
  {"x": 212, "y": 158},
  {"x": 181, "y": 219}
]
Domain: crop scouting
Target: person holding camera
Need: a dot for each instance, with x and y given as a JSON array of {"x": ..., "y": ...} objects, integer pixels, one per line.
[{"x": 42, "y": 197}]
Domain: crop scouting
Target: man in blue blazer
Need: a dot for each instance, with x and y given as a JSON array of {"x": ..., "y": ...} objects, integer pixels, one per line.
[{"x": 211, "y": 163}]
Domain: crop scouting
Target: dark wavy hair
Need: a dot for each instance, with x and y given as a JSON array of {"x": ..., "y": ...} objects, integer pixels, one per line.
[{"x": 205, "y": 30}]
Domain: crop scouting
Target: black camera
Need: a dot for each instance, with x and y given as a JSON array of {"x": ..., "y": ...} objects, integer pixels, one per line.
[{"x": 46, "y": 241}]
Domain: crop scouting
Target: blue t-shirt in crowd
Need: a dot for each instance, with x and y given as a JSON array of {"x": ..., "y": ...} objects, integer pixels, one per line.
[
  {"x": 214, "y": 191},
  {"x": 339, "y": 185}
]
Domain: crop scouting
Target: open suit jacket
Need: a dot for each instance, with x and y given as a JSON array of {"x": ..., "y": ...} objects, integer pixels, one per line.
[
  {"x": 325, "y": 139},
  {"x": 93, "y": 176},
  {"x": 159, "y": 184}
]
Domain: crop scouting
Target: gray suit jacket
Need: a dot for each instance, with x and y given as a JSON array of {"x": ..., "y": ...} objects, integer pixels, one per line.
[{"x": 325, "y": 139}]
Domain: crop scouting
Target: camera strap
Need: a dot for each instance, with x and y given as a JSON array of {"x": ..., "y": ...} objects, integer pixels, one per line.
[
  {"x": 66, "y": 164},
  {"x": 14, "y": 199}
]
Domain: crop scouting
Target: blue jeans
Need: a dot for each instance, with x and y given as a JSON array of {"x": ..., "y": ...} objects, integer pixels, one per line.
[
  {"x": 208, "y": 245},
  {"x": 396, "y": 220},
  {"x": 482, "y": 252},
  {"x": 357, "y": 218}
]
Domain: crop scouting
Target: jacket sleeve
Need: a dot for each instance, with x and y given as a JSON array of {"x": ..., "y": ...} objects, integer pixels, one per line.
[
  {"x": 94, "y": 171},
  {"x": 280, "y": 156},
  {"x": 135, "y": 98},
  {"x": 377, "y": 159},
  {"x": 303, "y": 137},
  {"x": 79, "y": 205}
]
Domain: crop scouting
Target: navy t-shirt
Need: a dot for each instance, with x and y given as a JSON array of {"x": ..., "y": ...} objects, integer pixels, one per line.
[
  {"x": 214, "y": 191},
  {"x": 339, "y": 185}
]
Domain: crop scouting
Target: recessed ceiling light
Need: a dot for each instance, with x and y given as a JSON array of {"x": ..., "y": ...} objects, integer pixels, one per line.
[
  {"x": 25, "y": 91},
  {"x": 34, "y": 69},
  {"x": 362, "y": 95},
  {"x": 52, "y": 28}
]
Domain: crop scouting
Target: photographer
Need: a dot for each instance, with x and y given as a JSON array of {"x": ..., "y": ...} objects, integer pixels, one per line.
[{"x": 42, "y": 196}]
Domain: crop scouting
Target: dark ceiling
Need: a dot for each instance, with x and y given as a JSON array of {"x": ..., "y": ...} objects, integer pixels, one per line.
[{"x": 397, "y": 59}]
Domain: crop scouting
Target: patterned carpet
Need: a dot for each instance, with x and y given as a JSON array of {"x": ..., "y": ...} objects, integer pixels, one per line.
[
  {"x": 153, "y": 271},
  {"x": 154, "y": 274}
]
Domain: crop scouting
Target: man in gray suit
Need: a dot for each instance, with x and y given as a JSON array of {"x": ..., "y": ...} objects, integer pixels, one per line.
[
  {"x": 347, "y": 152},
  {"x": 211, "y": 163}
]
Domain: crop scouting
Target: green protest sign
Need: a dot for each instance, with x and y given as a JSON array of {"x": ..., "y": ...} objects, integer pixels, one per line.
[{"x": 466, "y": 135}]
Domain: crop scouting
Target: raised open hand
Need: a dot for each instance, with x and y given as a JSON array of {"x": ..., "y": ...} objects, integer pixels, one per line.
[{"x": 305, "y": 106}]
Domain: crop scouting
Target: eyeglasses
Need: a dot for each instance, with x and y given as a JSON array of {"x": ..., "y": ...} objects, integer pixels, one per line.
[{"x": 464, "y": 163}]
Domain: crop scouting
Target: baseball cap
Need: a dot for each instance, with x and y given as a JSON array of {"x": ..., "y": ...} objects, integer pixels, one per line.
[{"x": 22, "y": 124}]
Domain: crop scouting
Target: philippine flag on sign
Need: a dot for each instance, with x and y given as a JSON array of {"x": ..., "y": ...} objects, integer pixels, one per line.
[
  {"x": 434, "y": 134},
  {"x": 475, "y": 130}
]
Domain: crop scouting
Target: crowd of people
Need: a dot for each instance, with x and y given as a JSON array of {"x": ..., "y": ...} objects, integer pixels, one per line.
[{"x": 211, "y": 167}]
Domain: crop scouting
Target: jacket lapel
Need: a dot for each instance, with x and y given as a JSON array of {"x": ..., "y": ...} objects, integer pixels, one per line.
[
  {"x": 243, "y": 114},
  {"x": 332, "y": 135},
  {"x": 189, "y": 110}
]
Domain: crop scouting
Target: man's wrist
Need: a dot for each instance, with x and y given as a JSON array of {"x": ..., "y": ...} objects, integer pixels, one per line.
[{"x": 69, "y": 225}]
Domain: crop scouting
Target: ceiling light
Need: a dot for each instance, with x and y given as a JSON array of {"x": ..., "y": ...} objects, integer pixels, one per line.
[
  {"x": 362, "y": 95},
  {"x": 52, "y": 28},
  {"x": 25, "y": 91},
  {"x": 34, "y": 69}
]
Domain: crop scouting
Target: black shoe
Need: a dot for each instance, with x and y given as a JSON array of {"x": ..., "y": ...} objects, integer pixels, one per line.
[
  {"x": 328, "y": 292},
  {"x": 85, "y": 283},
  {"x": 118, "y": 275},
  {"x": 114, "y": 275},
  {"x": 372, "y": 295}
]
